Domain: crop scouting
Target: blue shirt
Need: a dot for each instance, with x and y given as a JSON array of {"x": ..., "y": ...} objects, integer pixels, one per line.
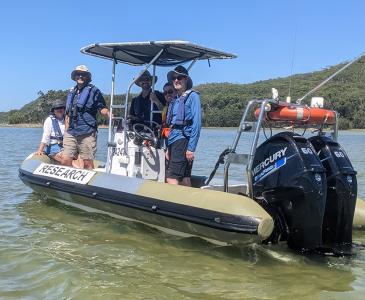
[
  {"x": 193, "y": 113},
  {"x": 85, "y": 121}
]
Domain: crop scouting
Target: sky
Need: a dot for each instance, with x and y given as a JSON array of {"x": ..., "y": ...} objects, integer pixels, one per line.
[{"x": 40, "y": 41}]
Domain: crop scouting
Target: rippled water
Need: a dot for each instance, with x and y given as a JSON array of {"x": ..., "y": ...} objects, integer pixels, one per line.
[{"x": 51, "y": 251}]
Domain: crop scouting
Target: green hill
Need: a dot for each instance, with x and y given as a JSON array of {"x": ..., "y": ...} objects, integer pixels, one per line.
[{"x": 223, "y": 102}]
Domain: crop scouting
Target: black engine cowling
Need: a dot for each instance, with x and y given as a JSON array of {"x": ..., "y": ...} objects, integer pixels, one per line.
[
  {"x": 341, "y": 194},
  {"x": 290, "y": 182}
]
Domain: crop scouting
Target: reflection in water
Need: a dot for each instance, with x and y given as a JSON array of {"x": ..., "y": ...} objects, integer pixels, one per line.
[
  {"x": 99, "y": 255},
  {"x": 49, "y": 250}
]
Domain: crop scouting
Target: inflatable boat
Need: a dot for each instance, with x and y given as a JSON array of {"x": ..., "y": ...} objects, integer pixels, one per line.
[{"x": 300, "y": 189}]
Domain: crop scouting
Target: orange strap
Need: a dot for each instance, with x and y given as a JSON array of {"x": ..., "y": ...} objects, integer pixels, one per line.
[{"x": 165, "y": 131}]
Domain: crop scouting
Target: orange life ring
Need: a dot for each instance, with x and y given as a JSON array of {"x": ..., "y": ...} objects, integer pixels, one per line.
[{"x": 300, "y": 114}]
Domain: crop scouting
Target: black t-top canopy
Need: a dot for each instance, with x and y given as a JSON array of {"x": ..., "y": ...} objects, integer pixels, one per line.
[{"x": 141, "y": 53}]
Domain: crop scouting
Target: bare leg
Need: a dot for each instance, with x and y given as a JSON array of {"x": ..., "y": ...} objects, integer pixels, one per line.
[
  {"x": 66, "y": 161},
  {"x": 172, "y": 181},
  {"x": 78, "y": 163},
  {"x": 58, "y": 157},
  {"x": 88, "y": 164}
]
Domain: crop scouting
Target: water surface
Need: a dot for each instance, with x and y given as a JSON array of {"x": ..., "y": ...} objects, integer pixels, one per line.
[{"x": 51, "y": 251}]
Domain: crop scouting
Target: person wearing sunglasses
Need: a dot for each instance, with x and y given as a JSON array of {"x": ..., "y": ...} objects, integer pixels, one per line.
[
  {"x": 141, "y": 105},
  {"x": 169, "y": 93},
  {"x": 184, "y": 120},
  {"x": 53, "y": 130},
  {"x": 84, "y": 101}
]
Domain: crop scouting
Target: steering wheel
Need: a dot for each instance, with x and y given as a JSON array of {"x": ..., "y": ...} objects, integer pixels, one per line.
[
  {"x": 144, "y": 132},
  {"x": 156, "y": 126}
]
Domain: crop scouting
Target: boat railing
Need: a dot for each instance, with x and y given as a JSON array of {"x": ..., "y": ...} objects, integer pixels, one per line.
[
  {"x": 245, "y": 158},
  {"x": 111, "y": 143},
  {"x": 249, "y": 123}
]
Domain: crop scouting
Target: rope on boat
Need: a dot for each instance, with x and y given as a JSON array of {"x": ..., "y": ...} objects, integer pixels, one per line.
[{"x": 219, "y": 162}]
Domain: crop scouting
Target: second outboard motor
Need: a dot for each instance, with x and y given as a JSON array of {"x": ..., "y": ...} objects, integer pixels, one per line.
[
  {"x": 341, "y": 194},
  {"x": 290, "y": 181}
]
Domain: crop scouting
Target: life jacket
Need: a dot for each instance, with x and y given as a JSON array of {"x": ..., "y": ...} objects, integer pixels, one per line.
[
  {"x": 82, "y": 99},
  {"x": 180, "y": 121},
  {"x": 58, "y": 137}
]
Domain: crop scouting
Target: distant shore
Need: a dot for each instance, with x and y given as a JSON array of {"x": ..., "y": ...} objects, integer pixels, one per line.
[
  {"x": 22, "y": 125},
  {"x": 105, "y": 126},
  {"x": 33, "y": 125}
]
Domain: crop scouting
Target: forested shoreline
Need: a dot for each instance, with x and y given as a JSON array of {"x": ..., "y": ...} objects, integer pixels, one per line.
[{"x": 223, "y": 103}]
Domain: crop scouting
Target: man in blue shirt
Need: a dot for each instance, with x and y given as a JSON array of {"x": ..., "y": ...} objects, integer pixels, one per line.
[
  {"x": 184, "y": 120},
  {"x": 83, "y": 103},
  {"x": 141, "y": 105}
]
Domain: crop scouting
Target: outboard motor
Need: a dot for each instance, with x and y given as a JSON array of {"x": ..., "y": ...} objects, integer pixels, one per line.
[
  {"x": 341, "y": 194},
  {"x": 290, "y": 182}
]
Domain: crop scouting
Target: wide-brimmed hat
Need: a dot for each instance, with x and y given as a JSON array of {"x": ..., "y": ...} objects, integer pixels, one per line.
[
  {"x": 80, "y": 69},
  {"x": 180, "y": 70},
  {"x": 58, "y": 103},
  {"x": 144, "y": 75}
]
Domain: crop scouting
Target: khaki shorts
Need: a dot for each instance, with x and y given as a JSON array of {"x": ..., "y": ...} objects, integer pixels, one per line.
[{"x": 83, "y": 145}]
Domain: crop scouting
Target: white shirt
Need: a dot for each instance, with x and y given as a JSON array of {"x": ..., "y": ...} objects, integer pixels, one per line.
[{"x": 48, "y": 130}]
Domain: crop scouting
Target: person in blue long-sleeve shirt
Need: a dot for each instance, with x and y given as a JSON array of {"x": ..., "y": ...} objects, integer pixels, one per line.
[{"x": 184, "y": 120}]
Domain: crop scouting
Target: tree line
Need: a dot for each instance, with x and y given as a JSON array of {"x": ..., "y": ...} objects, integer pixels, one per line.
[{"x": 223, "y": 103}]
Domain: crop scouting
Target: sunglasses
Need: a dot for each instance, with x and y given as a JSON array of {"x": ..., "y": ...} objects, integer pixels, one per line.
[
  {"x": 169, "y": 92},
  {"x": 178, "y": 77},
  {"x": 81, "y": 75}
]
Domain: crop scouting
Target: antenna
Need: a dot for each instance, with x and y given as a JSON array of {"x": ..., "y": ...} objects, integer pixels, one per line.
[
  {"x": 292, "y": 62},
  {"x": 329, "y": 78}
]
